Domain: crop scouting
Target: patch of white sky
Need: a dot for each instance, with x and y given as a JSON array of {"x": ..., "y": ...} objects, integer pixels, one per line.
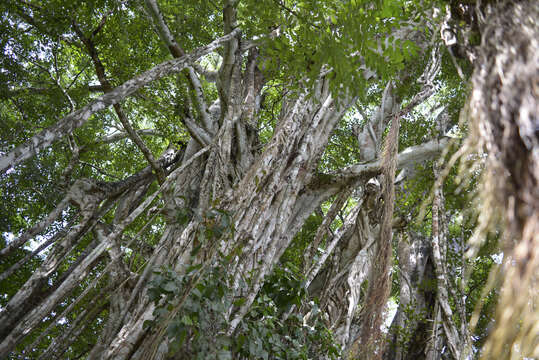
[
  {"x": 391, "y": 310},
  {"x": 497, "y": 258},
  {"x": 35, "y": 242},
  {"x": 211, "y": 62},
  {"x": 30, "y": 245},
  {"x": 430, "y": 108},
  {"x": 41, "y": 50}
]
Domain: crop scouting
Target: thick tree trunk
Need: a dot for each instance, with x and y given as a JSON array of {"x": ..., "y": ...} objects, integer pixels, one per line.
[{"x": 411, "y": 329}]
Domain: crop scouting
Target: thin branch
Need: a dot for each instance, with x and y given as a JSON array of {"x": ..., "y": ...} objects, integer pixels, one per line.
[
  {"x": 315, "y": 268},
  {"x": 100, "y": 70},
  {"x": 177, "y": 51},
  {"x": 102, "y": 172},
  {"x": 197, "y": 132},
  {"x": 40, "y": 248},
  {"x": 210, "y": 76},
  {"x": 36, "y": 229},
  {"x": 60, "y": 343},
  {"x": 295, "y": 14}
]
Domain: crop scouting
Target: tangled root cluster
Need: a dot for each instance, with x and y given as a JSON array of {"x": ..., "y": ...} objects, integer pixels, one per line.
[{"x": 504, "y": 125}]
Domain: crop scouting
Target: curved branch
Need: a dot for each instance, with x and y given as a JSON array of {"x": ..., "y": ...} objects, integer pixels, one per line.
[{"x": 406, "y": 158}]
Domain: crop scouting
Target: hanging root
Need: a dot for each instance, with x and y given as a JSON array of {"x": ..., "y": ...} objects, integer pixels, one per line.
[
  {"x": 369, "y": 342},
  {"x": 504, "y": 126}
]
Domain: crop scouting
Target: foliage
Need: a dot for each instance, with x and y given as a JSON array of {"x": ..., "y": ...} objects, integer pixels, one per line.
[
  {"x": 194, "y": 302},
  {"x": 264, "y": 333}
]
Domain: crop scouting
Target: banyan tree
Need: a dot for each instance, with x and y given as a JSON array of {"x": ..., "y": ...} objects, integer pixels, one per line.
[{"x": 239, "y": 179}]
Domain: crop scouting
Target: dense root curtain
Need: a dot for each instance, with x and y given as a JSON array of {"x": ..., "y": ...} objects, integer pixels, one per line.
[{"x": 504, "y": 121}]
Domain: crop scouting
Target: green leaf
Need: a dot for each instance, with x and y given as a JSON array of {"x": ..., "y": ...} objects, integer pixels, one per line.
[
  {"x": 224, "y": 355},
  {"x": 186, "y": 320},
  {"x": 170, "y": 286},
  {"x": 240, "y": 302}
]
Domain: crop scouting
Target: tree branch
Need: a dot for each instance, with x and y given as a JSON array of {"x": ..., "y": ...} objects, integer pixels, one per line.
[
  {"x": 78, "y": 118},
  {"x": 122, "y": 135},
  {"x": 407, "y": 157},
  {"x": 107, "y": 87},
  {"x": 176, "y": 51},
  {"x": 198, "y": 133}
]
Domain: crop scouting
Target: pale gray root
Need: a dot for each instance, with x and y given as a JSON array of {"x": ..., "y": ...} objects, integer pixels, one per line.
[
  {"x": 63, "y": 232},
  {"x": 256, "y": 215},
  {"x": 413, "y": 319},
  {"x": 177, "y": 52},
  {"x": 331, "y": 244},
  {"x": 78, "y": 272},
  {"x": 119, "y": 279},
  {"x": 19, "y": 303},
  {"x": 360, "y": 270},
  {"x": 128, "y": 339},
  {"x": 36, "y": 229},
  {"x": 368, "y": 343},
  {"x": 30, "y": 320},
  {"x": 324, "y": 227},
  {"x": 81, "y": 194},
  {"x": 458, "y": 343},
  {"x": 369, "y": 135},
  {"x": 338, "y": 285},
  {"x": 405, "y": 298},
  {"x": 61, "y": 343},
  {"x": 103, "y": 293},
  {"x": 73, "y": 161},
  {"x": 436, "y": 341}
]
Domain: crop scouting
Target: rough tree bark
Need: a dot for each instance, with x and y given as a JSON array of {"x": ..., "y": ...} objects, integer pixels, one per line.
[{"x": 503, "y": 113}]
